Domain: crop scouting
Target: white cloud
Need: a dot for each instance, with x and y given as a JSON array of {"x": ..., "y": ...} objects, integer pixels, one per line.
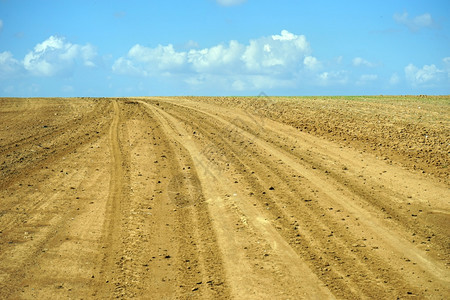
[
  {"x": 144, "y": 61},
  {"x": 9, "y": 66},
  {"x": 285, "y": 36},
  {"x": 217, "y": 59},
  {"x": 88, "y": 54},
  {"x": 427, "y": 75},
  {"x": 276, "y": 54},
  {"x": 238, "y": 82},
  {"x": 127, "y": 67},
  {"x": 366, "y": 78},
  {"x": 395, "y": 79},
  {"x": 55, "y": 56},
  {"x": 416, "y": 23},
  {"x": 1, "y": 25},
  {"x": 276, "y": 59},
  {"x": 230, "y": 2},
  {"x": 424, "y": 20},
  {"x": 312, "y": 63},
  {"x": 239, "y": 85},
  {"x": 446, "y": 61},
  {"x": 333, "y": 78},
  {"x": 162, "y": 57},
  {"x": 358, "y": 62}
]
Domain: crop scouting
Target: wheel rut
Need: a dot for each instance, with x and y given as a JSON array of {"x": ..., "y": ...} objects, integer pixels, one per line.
[
  {"x": 338, "y": 195},
  {"x": 190, "y": 198},
  {"x": 246, "y": 274}
]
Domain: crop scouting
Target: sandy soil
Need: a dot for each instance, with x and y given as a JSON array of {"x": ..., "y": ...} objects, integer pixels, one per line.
[{"x": 218, "y": 198}]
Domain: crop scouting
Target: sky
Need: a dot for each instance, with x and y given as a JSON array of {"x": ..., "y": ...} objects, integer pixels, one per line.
[{"x": 223, "y": 47}]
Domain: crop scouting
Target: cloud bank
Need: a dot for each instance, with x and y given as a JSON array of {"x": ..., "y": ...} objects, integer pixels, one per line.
[
  {"x": 428, "y": 75},
  {"x": 267, "y": 60},
  {"x": 55, "y": 56},
  {"x": 279, "y": 61},
  {"x": 416, "y": 23},
  {"x": 9, "y": 66},
  {"x": 282, "y": 60},
  {"x": 359, "y": 62}
]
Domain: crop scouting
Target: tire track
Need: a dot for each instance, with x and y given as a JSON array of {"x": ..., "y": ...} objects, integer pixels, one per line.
[
  {"x": 200, "y": 270},
  {"x": 240, "y": 272},
  {"x": 180, "y": 199},
  {"x": 387, "y": 191},
  {"x": 112, "y": 227},
  {"x": 257, "y": 187},
  {"x": 339, "y": 195},
  {"x": 152, "y": 246}
]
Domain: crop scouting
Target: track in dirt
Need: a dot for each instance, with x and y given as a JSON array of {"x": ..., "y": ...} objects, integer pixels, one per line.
[{"x": 188, "y": 198}]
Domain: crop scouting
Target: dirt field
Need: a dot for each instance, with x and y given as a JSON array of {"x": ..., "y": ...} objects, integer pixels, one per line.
[{"x": 217, "y": 198}]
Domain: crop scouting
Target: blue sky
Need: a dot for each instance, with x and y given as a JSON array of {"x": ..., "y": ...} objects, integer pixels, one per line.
[{"x": 223, "y": 47}]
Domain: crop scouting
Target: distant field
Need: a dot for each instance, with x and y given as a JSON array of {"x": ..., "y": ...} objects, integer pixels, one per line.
[
  {"x": 225, "y": 197},
  {"x": 410, "y": 130}
]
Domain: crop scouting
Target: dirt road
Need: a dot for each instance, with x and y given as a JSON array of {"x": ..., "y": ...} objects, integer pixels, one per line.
[{"x": 179, "y": 198}]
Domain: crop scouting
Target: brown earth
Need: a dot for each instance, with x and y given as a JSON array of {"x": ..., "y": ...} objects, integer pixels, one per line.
[{"x": 217, "y": 198}]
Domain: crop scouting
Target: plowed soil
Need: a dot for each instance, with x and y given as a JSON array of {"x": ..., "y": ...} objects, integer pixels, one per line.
[{"x": 219, "y": 198}]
